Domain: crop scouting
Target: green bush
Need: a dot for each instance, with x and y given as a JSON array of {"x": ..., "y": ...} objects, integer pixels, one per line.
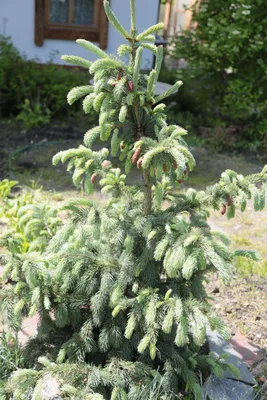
[
  {"x": 34, "y": 92},
  {"x": 31, "y": 223},
  {"x": 33, "y": 115},
  {"x": 226, "y": 65}
]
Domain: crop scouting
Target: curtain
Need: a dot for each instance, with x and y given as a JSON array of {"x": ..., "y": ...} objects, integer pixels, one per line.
[
  {"x": 84, "y": 12},
  {"x": 59, "y": 11}
]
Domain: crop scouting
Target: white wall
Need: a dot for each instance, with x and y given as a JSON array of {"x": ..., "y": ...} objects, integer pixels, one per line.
[{"x": 17, "y": 21}]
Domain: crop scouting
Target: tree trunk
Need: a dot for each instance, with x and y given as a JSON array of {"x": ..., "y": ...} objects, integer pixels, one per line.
[{"x": 147, "y": 192}]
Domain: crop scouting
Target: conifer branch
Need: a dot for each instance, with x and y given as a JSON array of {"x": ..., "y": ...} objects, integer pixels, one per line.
[
  {"x": 133, "y": 16},
  {"x": 159, "y": 60},
  {"x": 78, "y": 92},
  {"x": 169, "y": 92},
  {"x": 114, "y": 20},
  {"x": 137, "y": 64},
  {"x": 149, "y": 31},
  {"x": 92, "y": 47},
  {"x": 75, "y": 60},
  {"x": 149, "y": 38}
]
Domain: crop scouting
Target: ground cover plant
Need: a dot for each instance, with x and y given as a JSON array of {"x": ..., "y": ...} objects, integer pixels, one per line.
[
  {"x": 226, "y": 71},
  {"x": 119, "y": 287}
]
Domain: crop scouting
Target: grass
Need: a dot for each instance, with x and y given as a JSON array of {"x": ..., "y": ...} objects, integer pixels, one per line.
[
  {"x": 248, "y": 267},
  {"x": 241, "y": 241},
  {"x": 247, "y": 231},
  {"x": 10, "y": 355},
  {"x": 252, "y": 239}
]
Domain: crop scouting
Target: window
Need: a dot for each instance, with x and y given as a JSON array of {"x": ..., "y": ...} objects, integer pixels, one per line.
[{"x": 70, "y": 20}]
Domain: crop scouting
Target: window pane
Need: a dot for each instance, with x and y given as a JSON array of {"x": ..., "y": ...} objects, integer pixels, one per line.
[
  {"x": 84, "y": 12},
  {"x": 59, "y": 11}
]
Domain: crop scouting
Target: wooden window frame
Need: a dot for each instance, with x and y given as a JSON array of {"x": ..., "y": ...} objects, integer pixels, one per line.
[{"x": 44, "y": 29}]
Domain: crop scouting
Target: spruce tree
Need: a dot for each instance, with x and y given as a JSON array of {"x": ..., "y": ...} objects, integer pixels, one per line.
[{"x": 119, "y": 287}]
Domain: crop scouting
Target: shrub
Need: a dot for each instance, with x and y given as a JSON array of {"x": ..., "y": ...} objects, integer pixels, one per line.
[
  {"x": 226, "y": 64},
  {"x": 34, "y": 92},
  {"x": 119, "y": 288},
  {"x": 31, "y": 223},
  {"x": 5, "y": 188},
  {"x": 33, "y": 116}
]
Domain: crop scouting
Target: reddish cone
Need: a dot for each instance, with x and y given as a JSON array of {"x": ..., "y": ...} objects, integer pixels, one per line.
[
  {"x": 93, "y": 178},
  {"x": 136, "y": 155},
  {"x": 119, "y": 76},
  {"x": 130, "y": 86},
  {"x": 223, "y": 209},
  {"x": 105, "y": 163}
]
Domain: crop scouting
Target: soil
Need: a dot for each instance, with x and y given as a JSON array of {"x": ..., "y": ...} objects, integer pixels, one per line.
[
  {"x": 242, "y": 305},
  {"x": 25, "y": 154}
]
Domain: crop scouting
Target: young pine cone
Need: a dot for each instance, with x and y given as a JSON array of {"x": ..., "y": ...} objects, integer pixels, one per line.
[
  {"x": 130, "y": 86},
  {"x": 136, "y": 155},
  {"x": 223, "y": 209},
  {"x": 93, "y": 178}
]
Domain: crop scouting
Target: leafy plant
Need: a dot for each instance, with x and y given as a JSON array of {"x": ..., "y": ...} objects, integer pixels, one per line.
[
  {"x": 226, "y": 63},
  {"x": 31, "y": 224},
  {"x": 34, "y": 115},
  {"x": 5, "y": 188},
  {"x": 119, "y": 288}
]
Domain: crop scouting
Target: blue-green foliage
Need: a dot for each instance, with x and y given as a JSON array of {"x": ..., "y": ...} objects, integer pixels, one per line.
[{"x": 120, "y": 287}]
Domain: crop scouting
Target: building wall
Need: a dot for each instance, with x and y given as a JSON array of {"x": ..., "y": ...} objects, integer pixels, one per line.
[
  {"x": 177, "y": 18},
  {"x": 17, "y": 21}
]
